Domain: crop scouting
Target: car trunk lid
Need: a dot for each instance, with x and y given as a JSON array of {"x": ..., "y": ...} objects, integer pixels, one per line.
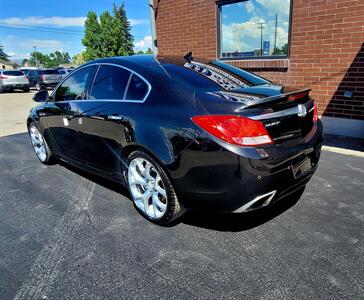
[{"x": 286, "y": 113}]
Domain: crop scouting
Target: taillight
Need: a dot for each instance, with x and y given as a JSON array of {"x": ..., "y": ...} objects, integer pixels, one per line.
[
  {"x": 3, "y": 77},
  {"x": 27, "y": 77},
  {"x": 315, "y": 115},
  {"x": 42, "y": 77},
  {"x": 234, "y": 129}
]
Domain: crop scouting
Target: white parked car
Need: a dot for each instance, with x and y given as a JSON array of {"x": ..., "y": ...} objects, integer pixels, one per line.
[
  {"x": 64, "y": 72},
  {"x": 13, "y": 79}
]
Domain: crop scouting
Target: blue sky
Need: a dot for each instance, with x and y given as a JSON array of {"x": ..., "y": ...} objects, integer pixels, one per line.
[{"x": 58, "y": 24}]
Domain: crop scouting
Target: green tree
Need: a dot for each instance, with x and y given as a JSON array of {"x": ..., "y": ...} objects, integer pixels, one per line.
[
  {"x": 149, "y": 51},
  {"x": 285, "y": 49},
  {"x": 78, "y": 59},
  {"x": 38, "y": 59},
  {"x": 108, "y": 35},
  {"x": 140, "y": 52},
  {"x": 126, "y": 38},
  {"x": 3, "y": 55},
  {"x": 58, "y": 58}
]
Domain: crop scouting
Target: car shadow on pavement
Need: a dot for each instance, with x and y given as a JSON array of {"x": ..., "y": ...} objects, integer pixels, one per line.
[
  {"x": 215, "y": 221},
  {"x": 242, "y": 221}
]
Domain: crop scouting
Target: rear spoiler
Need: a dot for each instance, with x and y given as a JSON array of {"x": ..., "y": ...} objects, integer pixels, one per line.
[{"x": 273, "y": 98}]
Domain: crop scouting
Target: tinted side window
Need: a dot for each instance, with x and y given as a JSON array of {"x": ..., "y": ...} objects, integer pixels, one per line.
[
  {"x": 74, "y": 88},
  {"x": 110, "y": 83},
  {"x": 137, "y": 88}
]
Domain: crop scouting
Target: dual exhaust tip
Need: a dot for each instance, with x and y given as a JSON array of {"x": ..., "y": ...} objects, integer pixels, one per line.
[{"x": 257, "y": 202}]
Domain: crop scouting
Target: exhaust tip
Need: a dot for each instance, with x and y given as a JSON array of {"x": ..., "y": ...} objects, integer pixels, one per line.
[{"x": 257, "y": 202}]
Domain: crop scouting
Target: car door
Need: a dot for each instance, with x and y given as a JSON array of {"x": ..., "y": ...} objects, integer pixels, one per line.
[
  {"x": 104, "y": 127},
  {"x": 62, "y": 114}
]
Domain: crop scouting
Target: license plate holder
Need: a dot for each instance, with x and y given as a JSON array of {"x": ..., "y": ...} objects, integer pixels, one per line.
[{"x": 302, "y": 168}]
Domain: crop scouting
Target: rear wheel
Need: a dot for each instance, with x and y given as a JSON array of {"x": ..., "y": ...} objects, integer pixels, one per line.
[
  {"x": 26, "y": 90},
  {"x": 40, "y": 145},
  {"x": 151, "y": 189}
]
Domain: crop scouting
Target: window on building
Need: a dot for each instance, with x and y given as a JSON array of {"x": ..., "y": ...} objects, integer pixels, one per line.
[{"x": 254, "y": 29}]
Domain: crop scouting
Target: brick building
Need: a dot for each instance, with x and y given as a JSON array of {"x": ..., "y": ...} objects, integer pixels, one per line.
[{"x": 312, "y": 43}]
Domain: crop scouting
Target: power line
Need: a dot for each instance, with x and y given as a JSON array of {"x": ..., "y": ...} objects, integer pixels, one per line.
[{"x": 52, "y": 30}]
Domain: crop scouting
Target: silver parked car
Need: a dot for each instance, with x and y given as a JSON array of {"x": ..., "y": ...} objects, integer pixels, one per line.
[
  {"x": 65, "y": 72},
  {"x": 13, "y": 79}
]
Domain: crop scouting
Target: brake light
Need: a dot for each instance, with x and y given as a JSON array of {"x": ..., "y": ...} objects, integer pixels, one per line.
[
  {"x": 42, "y": 77},
  {"x": 297, "y": 96},
  {"x": 3, "y": 77},
  {"x": 234, "y": 129},
  {"x": 315, "y": 115}
]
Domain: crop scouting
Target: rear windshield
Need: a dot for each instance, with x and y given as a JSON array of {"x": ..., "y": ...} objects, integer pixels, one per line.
[
  {"x": 189, "y": 76},
  {"x": 13, "y": 73},
  {"x": 49, "y": 72}
]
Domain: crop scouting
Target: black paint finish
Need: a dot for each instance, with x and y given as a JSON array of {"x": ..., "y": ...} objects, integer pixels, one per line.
[{"x": 208, "y": 174}]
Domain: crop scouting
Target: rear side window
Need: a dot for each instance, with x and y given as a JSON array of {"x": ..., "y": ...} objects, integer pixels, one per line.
[
  {"x": 13, "y": 73},
  {"x": 110, "y": 83},
  {"x": 137, "y": 89}
]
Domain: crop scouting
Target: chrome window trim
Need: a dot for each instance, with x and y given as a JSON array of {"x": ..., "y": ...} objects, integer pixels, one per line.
[{"x": 107, "y": 100}]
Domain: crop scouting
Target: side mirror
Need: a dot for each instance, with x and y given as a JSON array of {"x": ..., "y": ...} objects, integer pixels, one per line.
[{"x": 41, "y": 96}]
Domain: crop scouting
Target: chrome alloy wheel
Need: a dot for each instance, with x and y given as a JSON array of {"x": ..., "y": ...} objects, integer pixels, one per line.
[
  {"x": 147, "y": 188},
  {"x": 38, "y": 143}
]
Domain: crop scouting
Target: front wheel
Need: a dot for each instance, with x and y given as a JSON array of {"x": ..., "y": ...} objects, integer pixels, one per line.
[
  {"x": 151, "y": 189},
  {"x": 40, "y": 145}
]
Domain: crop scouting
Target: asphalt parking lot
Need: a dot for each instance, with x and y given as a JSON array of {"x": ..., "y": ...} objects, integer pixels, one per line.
[{"x": 66, "y": 234}]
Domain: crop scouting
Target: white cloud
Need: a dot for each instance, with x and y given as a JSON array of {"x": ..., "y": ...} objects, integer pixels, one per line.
[
  {"x": 245, "y": 36},
  {"x": 144, "y": 44},
  {"x": 18, "y": 56},
  {"x": 249, "y": 7},
  {"x": 134, "y": 22},
  {"x": 56, "y": 21},
  {"x": 41, "y": 21},
  {"x": 275, "y": 6}
]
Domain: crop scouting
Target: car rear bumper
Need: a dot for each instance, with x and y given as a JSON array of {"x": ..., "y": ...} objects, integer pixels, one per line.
[
  {"x": 13, "y": 85},
  {"x": 49, "y": 83},
  {"x": 225, "y": 181}
]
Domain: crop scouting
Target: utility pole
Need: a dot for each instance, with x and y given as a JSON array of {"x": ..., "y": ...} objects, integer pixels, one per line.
[
  {"x": 260, "y": 24},
  {"x": 275, "y": 35},
  {"x": 36, "y": 56}
]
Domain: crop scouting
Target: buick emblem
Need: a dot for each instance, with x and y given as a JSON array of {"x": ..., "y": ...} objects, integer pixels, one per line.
[{"x": 301, "y": 110}]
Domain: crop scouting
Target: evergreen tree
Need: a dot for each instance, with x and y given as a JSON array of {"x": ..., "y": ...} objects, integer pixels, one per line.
[
  {"x": 91, "y": 39},
  {"x": 127, "y": 39},
  {"x": 3, "y": 55},
  {"x": 108, "y": 35},
  {"x": 149, "y": 51}
]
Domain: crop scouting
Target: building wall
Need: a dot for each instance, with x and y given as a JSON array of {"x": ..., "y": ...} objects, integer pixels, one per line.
[{"x": 326, "y": 50}]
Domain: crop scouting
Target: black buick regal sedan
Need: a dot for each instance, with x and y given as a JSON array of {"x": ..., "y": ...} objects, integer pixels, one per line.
[{"x": 181, "y": 133}]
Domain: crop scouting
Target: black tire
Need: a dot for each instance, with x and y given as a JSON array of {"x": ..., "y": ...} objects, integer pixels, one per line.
[
  {"x": 174, "y": 208},
  {"x": 50, "y": 158},
  {"x": 26, "y": 90}
]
